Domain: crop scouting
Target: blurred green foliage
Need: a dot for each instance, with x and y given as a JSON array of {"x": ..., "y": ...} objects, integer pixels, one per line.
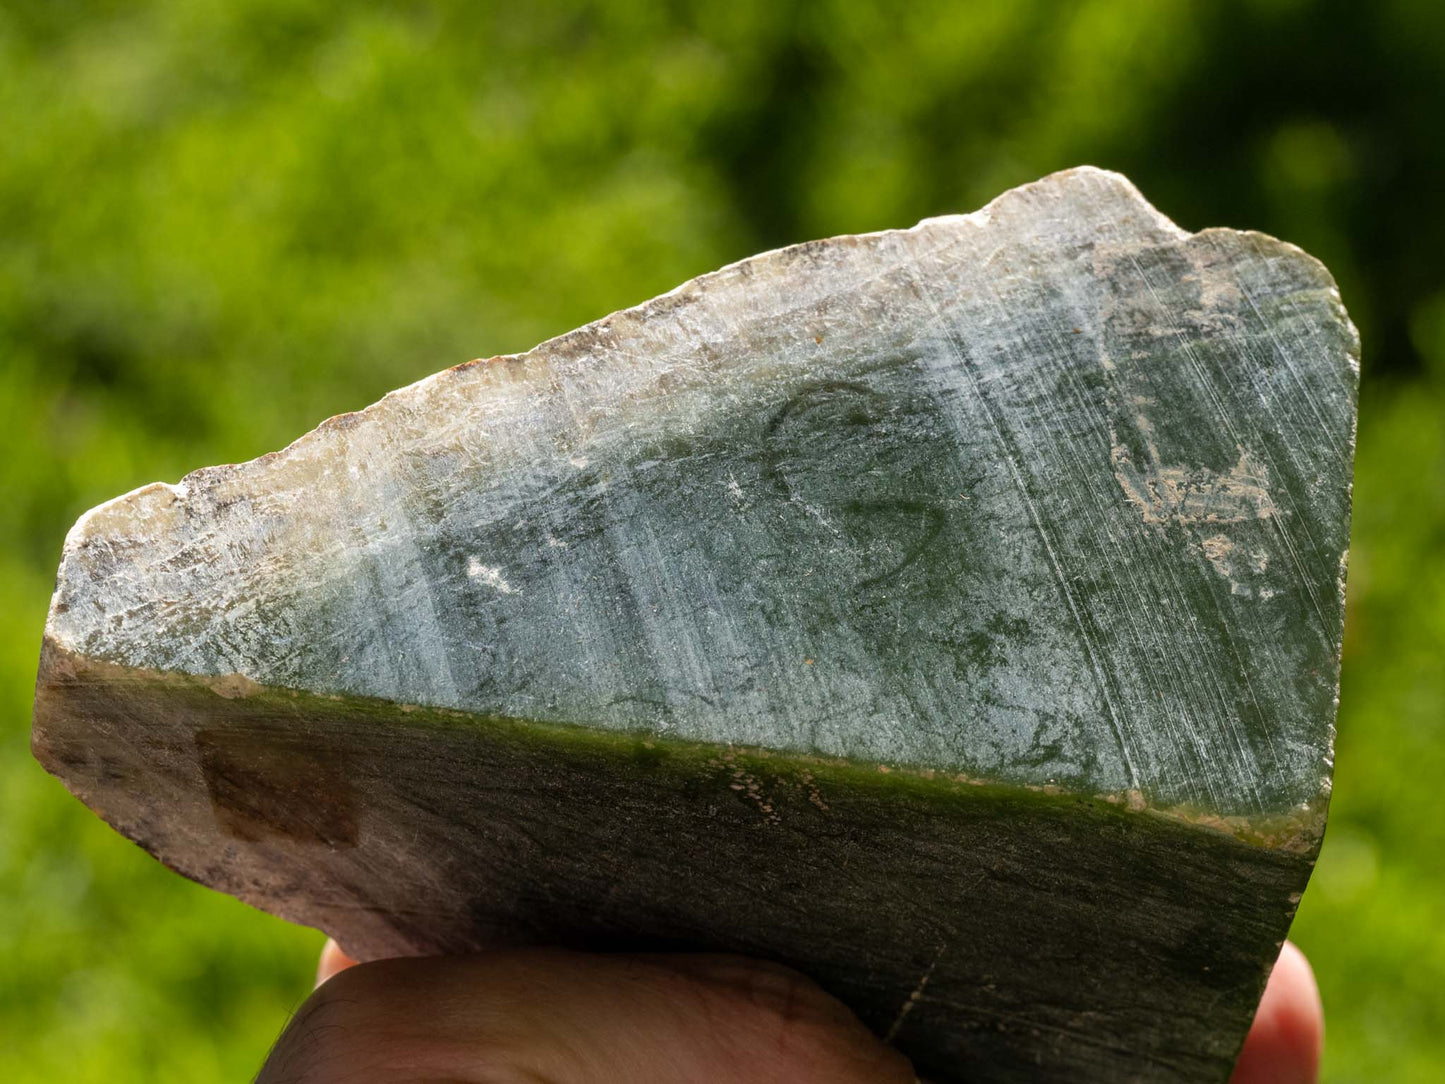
[{"x": 223, "y": 220}]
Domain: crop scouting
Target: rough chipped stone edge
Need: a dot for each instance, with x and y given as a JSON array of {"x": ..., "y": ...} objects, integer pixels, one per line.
[{"x": 641, "y": 313}]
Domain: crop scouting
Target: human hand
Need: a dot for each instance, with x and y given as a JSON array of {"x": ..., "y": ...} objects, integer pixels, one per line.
[
  {"x": 1288, "y": 1033},
  {"x": 572, "y": 1018}
]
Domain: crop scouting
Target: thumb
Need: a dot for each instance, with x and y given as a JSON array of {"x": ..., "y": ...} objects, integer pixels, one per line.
[{"x": 574, "y": 1018}]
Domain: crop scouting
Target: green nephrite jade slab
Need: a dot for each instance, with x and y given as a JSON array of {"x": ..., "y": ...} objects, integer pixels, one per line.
[{"x": 953, "y": 613}]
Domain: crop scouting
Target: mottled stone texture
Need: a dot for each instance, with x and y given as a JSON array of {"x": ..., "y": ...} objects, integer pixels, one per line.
[{"x": 953, "y": 613}]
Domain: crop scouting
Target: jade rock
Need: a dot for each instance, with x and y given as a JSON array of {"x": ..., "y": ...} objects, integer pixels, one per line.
[{"x": 952, "y": 613}]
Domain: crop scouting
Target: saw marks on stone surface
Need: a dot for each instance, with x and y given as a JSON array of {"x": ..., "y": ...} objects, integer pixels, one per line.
[{"x": 1054, "y": 493}]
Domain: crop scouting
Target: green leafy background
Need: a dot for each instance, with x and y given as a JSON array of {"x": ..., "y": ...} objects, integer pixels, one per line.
[{"x": 223, "y": 220}]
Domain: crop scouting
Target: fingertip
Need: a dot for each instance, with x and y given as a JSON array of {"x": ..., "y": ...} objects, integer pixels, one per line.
[
  {"x": 332, "y": 961},
  {"x": 1293, "y": 997},
  {"x": 1287, "y": 1038}
]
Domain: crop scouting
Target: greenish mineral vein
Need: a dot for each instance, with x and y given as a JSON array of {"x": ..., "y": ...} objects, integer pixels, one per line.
[{"x": 952, "y": 612}]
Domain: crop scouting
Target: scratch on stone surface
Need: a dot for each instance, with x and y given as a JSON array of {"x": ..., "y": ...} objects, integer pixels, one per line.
[
  {"x": 915, "y": 997},
  {"x": 1306, "y": 392},
  {"x": 1225, "y": 420},
  {"x": 1147, "y": 495},
  {"x": 1010, "y": 456}
]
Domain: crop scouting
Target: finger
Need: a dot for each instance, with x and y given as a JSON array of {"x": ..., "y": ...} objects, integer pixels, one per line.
[
  {"x": 1285, "y": 1042},
  {"x": 573, "y": 1018},
  {"x": 332, "y": 960}
]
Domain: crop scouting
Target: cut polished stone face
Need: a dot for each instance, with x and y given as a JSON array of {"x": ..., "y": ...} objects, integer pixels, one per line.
[{"x": 952, "y": 613}]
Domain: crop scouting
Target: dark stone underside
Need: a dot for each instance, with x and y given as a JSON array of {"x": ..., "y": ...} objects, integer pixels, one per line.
[{"x": 1047, "y": 938}]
